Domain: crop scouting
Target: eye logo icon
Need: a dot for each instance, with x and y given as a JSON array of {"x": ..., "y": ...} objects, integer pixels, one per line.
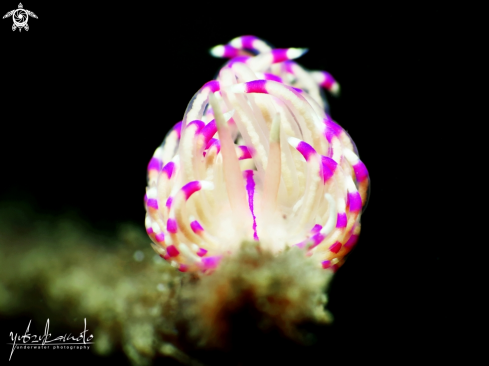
[{"x": 20, "y": 17}]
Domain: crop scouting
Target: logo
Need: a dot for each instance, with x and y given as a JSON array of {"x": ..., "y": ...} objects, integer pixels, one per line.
[
  {"x": 20, "y": 17},
  {"x": 35, "y": 341}
]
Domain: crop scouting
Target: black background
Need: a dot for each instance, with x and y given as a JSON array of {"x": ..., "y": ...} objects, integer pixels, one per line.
[{"x": 90, "y": 91}]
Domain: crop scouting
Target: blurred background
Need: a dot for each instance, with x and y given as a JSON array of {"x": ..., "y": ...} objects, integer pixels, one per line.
[{"x": 90, "y": 91}]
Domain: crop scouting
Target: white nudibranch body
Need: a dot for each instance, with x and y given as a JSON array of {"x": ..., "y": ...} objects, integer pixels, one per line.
[{"x": 256, "y": 157}]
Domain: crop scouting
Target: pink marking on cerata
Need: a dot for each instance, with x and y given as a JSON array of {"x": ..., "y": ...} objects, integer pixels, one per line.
[
  {"x": 178, "y": 129},
  {"x": 153, "y": 203},
  {"x": 279, "y": 55},
  {"x": 361, "y": 171},
  {"x": 209, "y": 131},
  {"x": 171, "y": 226},
  {"x": 165, "y": 256},
  {"x": 214, "y": 143},
  {"x": 317, "y": 228},
  {"x": 329, "y": 163},
  {"x": 329, "y": 134},
  {"x": 190, "y": 188},
  {"x": 341, "y": 220},
  {"x": 242, "y": 59},
  {"x": 149, "y": 230},
  {"x": 328, "y": 80},
  {"x": 199, "y": 125},
  {"x": 336, "y": 128},
  {"x": 168, "y": 169},
  {"x": 329, "y": 167},
  {"x": 355, "y": 201},
  {"x": 351, "y": 241},
  {"x": 168, "y": 202},
  {"x": 182, "y": 267},
  {"x": 160, "y": 238},
  {"x": 196, "y": 227},
  {"x": 256, "y": 86},
  {"x": 211, "y": 262},
  {"x": 289, "y": 67},
  {"x": 245, "y": 153},
  {"x": 201, "y": 252},
  {"x": 335, "y": 248},
  {"x": 250, "y": 188},
  {"x": 247, "y": 42},
  {"x": 326, "y": 264},
  {"x": 230, "y": 51},
  {"x": 316, "y": 240},
  {"x": 273, "y": 77},
  {"x": 306, "y": 150},
  {"x": 213, "y": 86},
  {"x": 155, "y": 164},
  {"x": 172, "y": 251}
]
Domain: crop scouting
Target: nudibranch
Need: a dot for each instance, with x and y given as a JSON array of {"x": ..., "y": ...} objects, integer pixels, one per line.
[{"x": 256, "y": 157}]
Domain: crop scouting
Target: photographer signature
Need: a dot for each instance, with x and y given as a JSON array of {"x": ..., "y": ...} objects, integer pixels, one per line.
[{"x": 33, "y": 339}]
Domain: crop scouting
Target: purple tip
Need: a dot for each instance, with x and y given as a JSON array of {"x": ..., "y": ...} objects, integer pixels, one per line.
[
  {"x": 288, "y": 67},
  {"x": 335, "y": 248},
  {"x": 341, "y": 220},
  {"x": 155, "y": 164},
  {"x": 316, "y": 240},
  {"x": 214, "y": 142},
  {"x": 182, "y": 267},
  {"x": 190, "y": 188},
  {"x": 256, "y": 86},
  {"x": 213, "y": 85},
  {"x": 335, "y": 128},
  {"x": 273, "y": 77},
  {"x": 329, "y": 163},
  {"x": 199, "y": 124},
  {"x": 352, "y": 241},
  {"x": 178, "y": 129},
  {"x": 306, "y": 150},
  {"x": 153, "y": 203},
  {"x": 168, "y": 169},
  {"x": 361, "y": 171},
  {"x": 172, "y": 251},
  {"x": 160, "y": 238},
  {"x": 211, "y": 262},
  {"x": 196, "y": 227},
  {"x": 355, "y": 201},
  {"x": 326, "y": 264},
  {"x": 201, "y": 252},
  {"x": 245, "y": 153},
  {"x": 247, "y": 42},
  {"x": 329, "y": 167},
  {"x": 279, "y": 55},
  {"x": 209, "y": 131},
  {"x": 316, "y": 229},
  {"x": 230, "y": 51},
  {"x": 241, "y": 59},
  {"x": 149, "y": 230},
  {"x": 171, "y": 226},
  {"x": 328, "y": 80},
  {"x": 169, "y": 201}
]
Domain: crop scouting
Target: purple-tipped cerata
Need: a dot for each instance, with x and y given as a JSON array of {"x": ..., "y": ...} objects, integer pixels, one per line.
[{"x": 257, "y": 157}]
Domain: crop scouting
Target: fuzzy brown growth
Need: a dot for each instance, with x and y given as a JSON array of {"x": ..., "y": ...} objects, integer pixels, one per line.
[{"x": 252, "y": 294}]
